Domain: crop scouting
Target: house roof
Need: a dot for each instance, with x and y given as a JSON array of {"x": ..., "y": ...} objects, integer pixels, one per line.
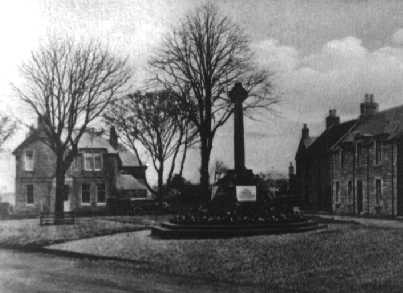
[
  {"x": 93, "y": 140},
  {"x": 32, "y": 136},
  {"x": 388, "y": 122},
  {"x": 127, "y": 158},
  {"x": 309, "y": 140},
  {"x": 128, "y": 182},
  {"x": 329, "y": 137},
  {"x": 304, "y": 144}
]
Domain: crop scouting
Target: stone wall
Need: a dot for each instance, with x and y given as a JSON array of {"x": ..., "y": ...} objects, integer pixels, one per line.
[
  {"x": 42, "y": 179},
  {"x": 367, "y": 171}
]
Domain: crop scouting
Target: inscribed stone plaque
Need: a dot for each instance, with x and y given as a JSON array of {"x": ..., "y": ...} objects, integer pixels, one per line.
[{"x": 246, "y": 193}]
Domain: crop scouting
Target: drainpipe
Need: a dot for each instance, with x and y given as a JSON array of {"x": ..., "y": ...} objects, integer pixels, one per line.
[
  {"x": 393, "y": 179},
  {"x": 353, "y": 183},
  {"x": 368, "y": 179}
]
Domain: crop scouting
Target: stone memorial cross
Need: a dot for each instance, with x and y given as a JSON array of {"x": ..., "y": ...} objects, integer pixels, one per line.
[{"x": 237, "y": 95}]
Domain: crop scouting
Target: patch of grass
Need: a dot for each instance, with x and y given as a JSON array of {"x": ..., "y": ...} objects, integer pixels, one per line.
[
  {"x": 343, "y": 258},
  {"x": 146, "y": 220},
  {"x": 27, "y": 233}
]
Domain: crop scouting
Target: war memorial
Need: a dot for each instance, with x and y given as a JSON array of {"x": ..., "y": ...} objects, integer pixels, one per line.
[{"x": 240, "y": 205}]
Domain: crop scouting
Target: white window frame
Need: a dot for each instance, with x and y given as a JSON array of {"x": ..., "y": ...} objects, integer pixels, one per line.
[
  {"x": 26, "y": 161},
  {"x": 101, "y": 203},
  {"x": 92, "y": 156},
  {"x": 26, "y": 195},
  {"x": 83, "y": 203},
  {"x": 88, "y": 156}
]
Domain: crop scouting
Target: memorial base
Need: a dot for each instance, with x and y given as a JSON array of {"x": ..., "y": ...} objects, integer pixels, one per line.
[
  {"x": 228, "y": 214},
  {"x": 169, "y": 230}
]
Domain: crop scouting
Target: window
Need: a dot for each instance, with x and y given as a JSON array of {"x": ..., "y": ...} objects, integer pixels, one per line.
[
  {"x": 101, "y": 198},
  {"x": 66, "y": 192},
  {"x": 85, "y": 193},
  {"x": 350, "y": 191},
  {"x": 358, "y": 152},
  {"x": 29, "y": 160},
  {"x": 30, "y": 194},
  {"x": 92, "y": 161},
  {"x": 88, "y": 162},
  {"x": 77, "y": 163},
  {"x": 378, "y": 190},
  {"x": 378, "y": 151},
  {"x": 337, "y": 191},
  {"x": 97, "y": 162}
]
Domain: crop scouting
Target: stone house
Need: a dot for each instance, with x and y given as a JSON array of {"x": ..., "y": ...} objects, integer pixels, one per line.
[
  {"x": 313, "y": 161},
  {"x": 103, "y": 170},
  {"x": 367, "y": 163},
  {"x": 364, "y": 164}
]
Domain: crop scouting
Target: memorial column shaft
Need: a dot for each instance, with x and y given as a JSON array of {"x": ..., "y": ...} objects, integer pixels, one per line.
[{"x": 239, "y": 143}]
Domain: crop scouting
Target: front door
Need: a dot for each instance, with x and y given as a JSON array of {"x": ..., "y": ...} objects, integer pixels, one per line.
[{"x": 359, "y": 196}]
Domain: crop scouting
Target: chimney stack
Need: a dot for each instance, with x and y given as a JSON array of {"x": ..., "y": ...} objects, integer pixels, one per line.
[
  {"x": 332, "y": 119},
  {"x": 113, "y": 137},
  {"x": 290, "y": 170},
  {"x": 305, "y": 131},
  {"x": 40, "y": 123},
  {"x": 368, "y": 107}
]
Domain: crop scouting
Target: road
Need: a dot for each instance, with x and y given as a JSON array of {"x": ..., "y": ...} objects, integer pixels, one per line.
[{"x": 41, "y": 272}]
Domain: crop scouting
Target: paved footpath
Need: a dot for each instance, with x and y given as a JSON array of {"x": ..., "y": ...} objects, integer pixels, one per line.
[{"x": 382, "y": 223}]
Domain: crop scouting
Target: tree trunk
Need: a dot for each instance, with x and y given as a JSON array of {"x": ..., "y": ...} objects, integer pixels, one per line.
[
  {"x": 185, "y": 149},
  {"x": 173, "y": 163},
  {"x": 205, "y": 151},
  {"x": 160, "y": 173},
  {"x": 59, "y": 196}
]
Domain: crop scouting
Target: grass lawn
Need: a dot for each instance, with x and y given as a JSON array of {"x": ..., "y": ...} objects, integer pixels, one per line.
[
  {"x": 28, "y": 233},
  {"x": 342, "y": 258}
]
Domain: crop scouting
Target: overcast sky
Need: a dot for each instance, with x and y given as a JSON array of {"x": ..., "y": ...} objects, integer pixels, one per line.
[{"x": 326, "y": 54}]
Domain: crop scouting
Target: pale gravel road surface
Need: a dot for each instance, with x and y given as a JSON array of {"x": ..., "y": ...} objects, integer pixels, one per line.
[{"x": 40, "y": 272}]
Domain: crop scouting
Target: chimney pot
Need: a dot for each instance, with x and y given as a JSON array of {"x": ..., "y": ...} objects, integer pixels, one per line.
[
  {"x": 332, "y": 119},
  {"x": 113, "y": 137},
  {"x": 369, "y": 106},
  {"x": 305, "y": 131},
  {"x": 290, "y": 169}
]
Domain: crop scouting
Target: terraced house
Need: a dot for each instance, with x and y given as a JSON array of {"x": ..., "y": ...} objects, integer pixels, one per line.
[
  {"x": 363, "y": 164},
  {"x": 103, "y": 170}
]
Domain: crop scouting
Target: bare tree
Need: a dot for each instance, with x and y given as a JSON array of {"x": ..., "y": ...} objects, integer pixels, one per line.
[
  {"x": 154, "y": 120},
  {"x": 206, "y": 55},
  {"x": 68, "y": 85},
  {"x": 7, "y": 128}
]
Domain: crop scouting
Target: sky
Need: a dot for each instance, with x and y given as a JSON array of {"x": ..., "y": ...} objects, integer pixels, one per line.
[{"x": 324, "y": 54}]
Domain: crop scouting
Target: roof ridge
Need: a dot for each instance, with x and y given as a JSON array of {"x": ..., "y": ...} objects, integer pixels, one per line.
[{"x": 395, "y": 108}]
